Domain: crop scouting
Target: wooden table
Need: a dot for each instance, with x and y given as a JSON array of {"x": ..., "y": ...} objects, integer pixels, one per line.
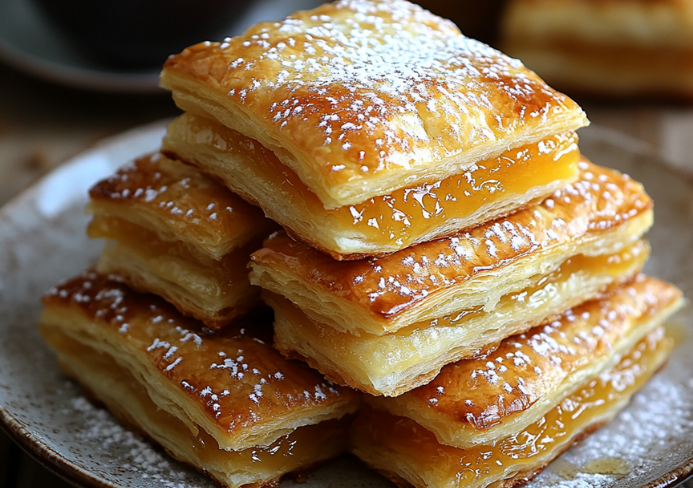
[{"x": 42, "y": 125}]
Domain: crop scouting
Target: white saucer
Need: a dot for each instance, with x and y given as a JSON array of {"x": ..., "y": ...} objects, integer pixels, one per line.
[{"x": 29, "y": 43}]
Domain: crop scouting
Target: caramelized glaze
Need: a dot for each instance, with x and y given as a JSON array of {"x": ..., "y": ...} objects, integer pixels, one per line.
[
  {"x": 399, "y": 446},
  {"x": 361, "y": 97},
  {"x": 490, "y": 390},
  {"x": 130, "y": 402},
  {"x": 613, "y": 265},
  {"x": 236, "y": 378},
  {"x": 187, "y": 203},
  {"x": 601, "y": 200}
]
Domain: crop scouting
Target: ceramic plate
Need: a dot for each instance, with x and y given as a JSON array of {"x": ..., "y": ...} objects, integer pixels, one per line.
[
  {"x": 42, "y": 240},
  {"x": 31, "y": 44}
]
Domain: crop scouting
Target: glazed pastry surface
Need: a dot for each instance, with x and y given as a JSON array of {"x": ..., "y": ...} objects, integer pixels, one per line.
[
  {"x": 408, "y": 454},
  {"x": 484, "y": 400},
  {"x": 180, "y": 204},
  {"x": 361, "y": 98},
  {"x": 115, "y": 387},
  {"x": 395, "y": 363},
  {"x": 382, "y": 224},
  {"x": 233, "y": 385},
  {"x": 601, "y": 213}
]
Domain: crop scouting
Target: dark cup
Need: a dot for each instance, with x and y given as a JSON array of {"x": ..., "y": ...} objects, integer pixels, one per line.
[{"x": 140, "y": 33}]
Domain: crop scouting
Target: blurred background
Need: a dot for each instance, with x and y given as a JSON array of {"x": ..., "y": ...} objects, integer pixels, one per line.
[{"x": 73, "y": 72}]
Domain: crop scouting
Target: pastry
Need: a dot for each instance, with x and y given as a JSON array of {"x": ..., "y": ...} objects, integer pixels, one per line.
[
  {"x": 172, "y": 231},
  {"x": 483, "y": 400},
  {"x": 607, "y": 47},
  {"x": 499, "y": 420},
  {"x": 361, "y": 98},
  {"x": 410, "y": 455},
  {"x": 600, "y": 214},
  {"x": 227, "y": 403},
  {"x": 395, "y": 363},
  {"x": 382, "y": 224}
]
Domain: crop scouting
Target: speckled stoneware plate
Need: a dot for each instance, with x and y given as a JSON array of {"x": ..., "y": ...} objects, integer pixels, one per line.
[{"x": 42, "y": 240}]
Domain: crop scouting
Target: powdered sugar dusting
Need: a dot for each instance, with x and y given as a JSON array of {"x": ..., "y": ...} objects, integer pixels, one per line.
[
  {"x": 538, "y": 362},
  {"x": 234, "y": 377},
  {"x": 136, "y": 457},
  {"x": 644, "y": 435},
  {"x": 179, "y": 197}
]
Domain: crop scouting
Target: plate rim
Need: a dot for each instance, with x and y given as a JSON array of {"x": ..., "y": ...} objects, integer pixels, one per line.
[
  {"x": 28, "y": 442},
  {"x": 64, "y": 468}
]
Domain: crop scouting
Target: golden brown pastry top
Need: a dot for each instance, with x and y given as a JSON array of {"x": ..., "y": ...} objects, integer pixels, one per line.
[
  {"x": 486, "y": 391},
  {"x": 363, "y": 97},
  {"x": 236, "y": 377},
  {"x": 182, "y": 199},
  {"x": 600, "y": 200}
]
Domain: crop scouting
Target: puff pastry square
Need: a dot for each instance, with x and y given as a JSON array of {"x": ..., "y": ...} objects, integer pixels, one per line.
[
  {"x": 172, "y": 231},
  {"x": 395, "y": 363},
  {"x": 361, "y": 98},
  {"x": 227, "y": 403},
  {"x": 600, "y": 214},
  {"x": 410, "y": 455},
  {"x": 609, "y": 47},
  {"x": 382, "y": 224},
  {"x": 484, "y": 400}
]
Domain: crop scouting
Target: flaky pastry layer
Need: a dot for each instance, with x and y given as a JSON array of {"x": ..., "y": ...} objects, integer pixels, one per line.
[
  {"x": 114, "y": 386},
  {"x": 395, "y": 363},
  {"x": 602, "y": 213},
  {"x": 361, "y": 98},
  {"x": 233, "y": 385},
  {"x": 383, "y": 224},
  {"x": 406, "y": 452},
  {"x": 212, "y": 291},
  {"x": 481, "y": 401},
  {"x": 179, "y": 204}
]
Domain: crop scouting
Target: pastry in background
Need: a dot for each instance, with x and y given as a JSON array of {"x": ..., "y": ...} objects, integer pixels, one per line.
[
  {"x": 478, "y": 20},
  {"x": 500, "y": 420},
  {"x": 605, "y": 47},
  {"x": 226, "y": 403},
  {"x": 174, "y": 232}
]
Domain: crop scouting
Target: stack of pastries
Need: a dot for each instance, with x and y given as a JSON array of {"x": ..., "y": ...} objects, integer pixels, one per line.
[{"x": 447, "y": 259}]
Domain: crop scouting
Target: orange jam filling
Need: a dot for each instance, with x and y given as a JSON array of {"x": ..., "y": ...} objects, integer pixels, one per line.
[
  {"x": 616, "y": 265},
  {"x": 230, "y": 269},
  {"x": 409, "y": 214},
  {"x": 446, "y": 466}
]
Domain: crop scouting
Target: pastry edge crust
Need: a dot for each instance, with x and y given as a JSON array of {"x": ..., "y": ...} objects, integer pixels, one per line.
[
  {"x": 287, "y": 337},
  {"x": 310, "y": 297},
  {"x": 57, "y": 317}
]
